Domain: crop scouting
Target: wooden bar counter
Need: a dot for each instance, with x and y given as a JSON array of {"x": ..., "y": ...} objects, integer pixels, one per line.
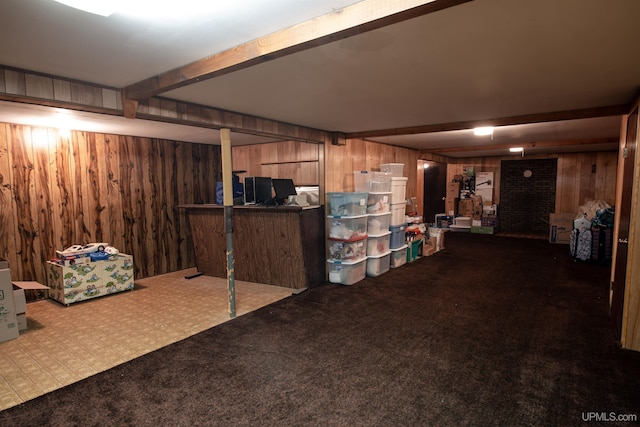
[{"x": 275, "y": 245}]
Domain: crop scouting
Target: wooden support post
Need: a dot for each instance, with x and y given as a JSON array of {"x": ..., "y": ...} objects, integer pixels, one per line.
[{"x": 227, "y": 188}]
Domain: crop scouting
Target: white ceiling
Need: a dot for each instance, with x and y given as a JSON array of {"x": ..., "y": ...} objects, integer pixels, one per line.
[{"x": 474, "y": 62}]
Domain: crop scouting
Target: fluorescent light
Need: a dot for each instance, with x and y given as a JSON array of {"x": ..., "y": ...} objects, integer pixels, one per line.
[
  {"x": 516, "y": 149},
  {"x": 483, "y": 131}
]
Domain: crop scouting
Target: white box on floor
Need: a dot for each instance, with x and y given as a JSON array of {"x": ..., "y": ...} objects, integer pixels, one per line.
[
  {"x": 8, "y": 319},
  {"x": 20, "y": 302}
]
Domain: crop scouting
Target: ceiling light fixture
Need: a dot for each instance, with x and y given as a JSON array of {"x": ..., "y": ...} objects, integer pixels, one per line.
[
  {"x": 516, "y": 149},
  {"x": 483, "y": 131}
]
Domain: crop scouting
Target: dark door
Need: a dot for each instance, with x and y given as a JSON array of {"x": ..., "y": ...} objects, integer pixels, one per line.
[
  {"x": 435, "y": 190},
  {"x": 624, "y": 214}
]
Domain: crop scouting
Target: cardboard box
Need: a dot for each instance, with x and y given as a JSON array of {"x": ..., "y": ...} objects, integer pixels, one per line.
[
  {"x": 453, "y": 190},
  {"x": 451, "y": 206},
  {"x": 560, "y": 226},
  {"x": 32, "y": 290},
  {"x": 486, "y": 194},
  {"x": 465, "y": 207},
  {"x": 8, "y": 319},
  {"x": 21, "y": 308}
]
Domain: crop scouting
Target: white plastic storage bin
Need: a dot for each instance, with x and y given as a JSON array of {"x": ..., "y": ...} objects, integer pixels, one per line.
[
  {"x": 380, "y": 182},
  {"x": 462, "y": 221},
  {"x": 378, "y": 223},
  {"x": 378, "y": 264},
  {"x": 347, "y": 204},
  {"x": 395, "y": 169},
  {"x": 397, "y": 214},
  {"x": 347, "y": 227},
  {"x": 344, "y": 250},
  {"x": 398, "y": 189},
  {"x": 397, "y": 236},
  {"x": 346, "y": 273},
  {"x": 376, "y": 182},
  {"x": 398, "y": 256},
  {"x": 378, "y": 245},
  {"x": 378, "y": 203},
  {"x": 361, "y": 181}
]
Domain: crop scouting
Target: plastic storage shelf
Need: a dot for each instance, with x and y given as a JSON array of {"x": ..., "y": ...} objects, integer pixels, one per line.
[
  {"x": 395, "y": 169},
  {"x": 347, "y": 228},
  {"x": 398, "y": 189},
  {"x": 378, "y": 223},
  {"x": 346, "y": 273},
  {"x": 367, "y": 181},
  {"x": 347, "y": 204},
  {"x": 397, "y": 236},
  {"x": 378, "y": 245},
  {"x": 378, "y": 203},
  {"x": 398, "y": 256},
  {"x": 397, "y": 214},
  {"x": 379, "y": 264},
  {"x": 344, "y": 250}
]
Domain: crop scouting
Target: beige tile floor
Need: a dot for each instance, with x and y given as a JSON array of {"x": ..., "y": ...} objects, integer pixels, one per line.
[{"x": 65, "y": 344}]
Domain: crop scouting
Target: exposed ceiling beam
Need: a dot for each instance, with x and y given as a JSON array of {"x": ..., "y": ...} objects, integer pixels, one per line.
[
  {"x": 358, "y": 18},
  {"x": 586, "y": 113},
  {"x": 538, "y": 144}
]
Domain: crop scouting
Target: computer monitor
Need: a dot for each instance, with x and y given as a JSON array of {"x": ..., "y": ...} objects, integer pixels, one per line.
[
  {"x": 257, "y": 190},
  {"x": 283, "y": 189},
  {"x": 262, "y": 189}
]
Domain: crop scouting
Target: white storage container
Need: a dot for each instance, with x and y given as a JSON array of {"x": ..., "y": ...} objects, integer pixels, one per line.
[
  {"x": 378, "y": 203},
  {"x": 397, "y": 214},
  {"x": 462, "y": 221},
  {"x": 378, "y": 245},
  {"x": 344, "y": 250},
  {"x": 375, "y": 182},
  {"x": 396, "y": 169},
  {"x": 361, "y": 181},
  {"x": 346, "y": 273},
  {"x": 379, "y": 264},
  {"x": 378, "y": 223},
  {"x": 347, "y": 204},
  {"x": 399, "y": 256},
  {"x": 380, "y": 182},
  {"x": 347, "y": 227},
  {"x": 398, "y": 189}
]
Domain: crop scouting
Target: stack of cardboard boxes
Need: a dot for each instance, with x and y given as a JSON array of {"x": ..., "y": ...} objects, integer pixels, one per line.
[
  {"x": 471, "y": 195},
  {"x": 485, "y": 220},
  {"x": 13, "y": 303}
]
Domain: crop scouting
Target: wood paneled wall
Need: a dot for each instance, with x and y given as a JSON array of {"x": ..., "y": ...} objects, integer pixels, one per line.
[
  {"x": 89, "y": 187},
  {"x": 288, "y": 159},
  {"x": 577, "y": 180},
  {"x": 342, "y": 160}
]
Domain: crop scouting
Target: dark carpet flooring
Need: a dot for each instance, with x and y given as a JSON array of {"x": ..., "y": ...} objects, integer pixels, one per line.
[{"x": 492, "y": 331}]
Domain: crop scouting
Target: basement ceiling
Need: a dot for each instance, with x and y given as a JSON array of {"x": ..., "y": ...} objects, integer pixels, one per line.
[{"x": 554, "y": 75}]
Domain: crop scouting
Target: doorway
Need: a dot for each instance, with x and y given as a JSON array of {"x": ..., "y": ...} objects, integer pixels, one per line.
[
  {"x": 435, "y": 189},
  {"x": 620, "y": 272}
]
